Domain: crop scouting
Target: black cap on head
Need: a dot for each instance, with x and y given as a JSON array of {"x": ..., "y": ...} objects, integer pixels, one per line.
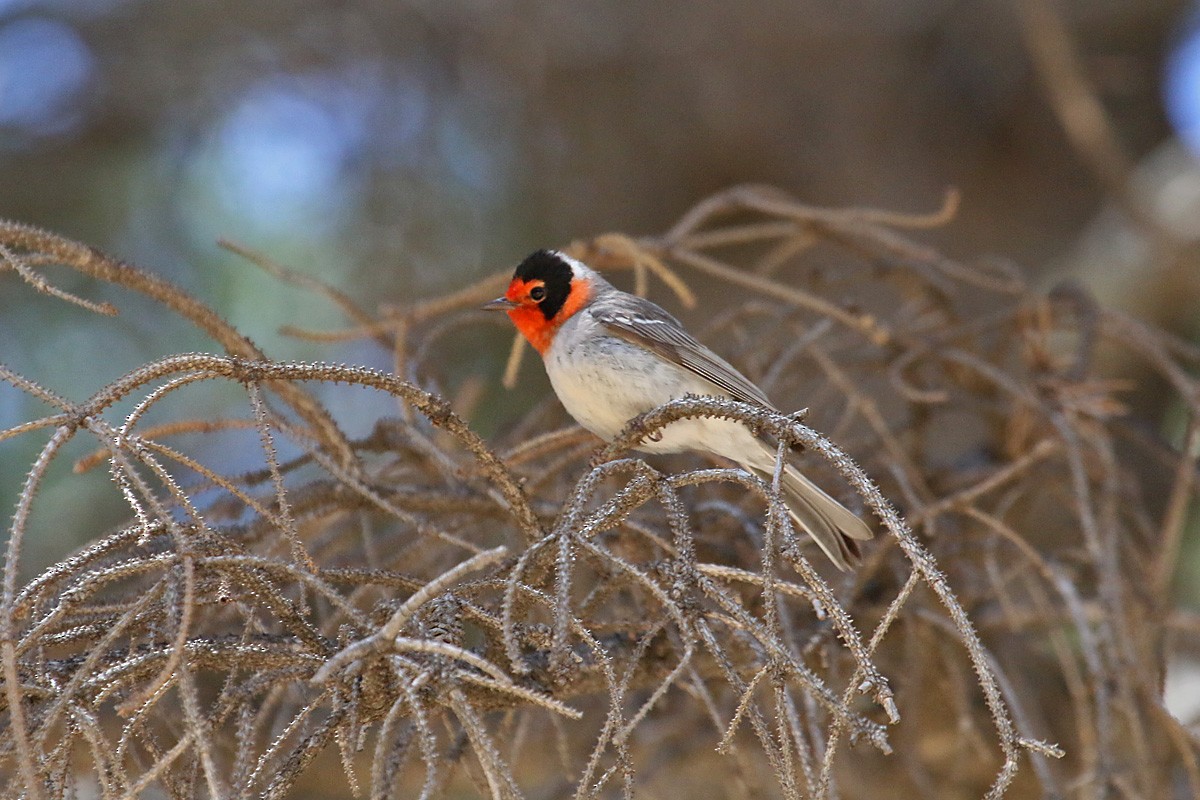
[{"x": 554, "y": 272}]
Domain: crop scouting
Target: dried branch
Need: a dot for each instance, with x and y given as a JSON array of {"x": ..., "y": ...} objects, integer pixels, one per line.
[{"x": 413, "y": 597}]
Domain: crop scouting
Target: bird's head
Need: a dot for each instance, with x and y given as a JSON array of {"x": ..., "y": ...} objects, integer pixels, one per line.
[{"x": 547, "y": 288}]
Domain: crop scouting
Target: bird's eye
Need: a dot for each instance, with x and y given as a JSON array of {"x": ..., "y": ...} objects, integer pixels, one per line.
[{"x": 537, "y": 294}]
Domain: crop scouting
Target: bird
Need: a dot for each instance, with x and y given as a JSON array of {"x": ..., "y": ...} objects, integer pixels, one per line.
[{"x": 612, "y": 356}]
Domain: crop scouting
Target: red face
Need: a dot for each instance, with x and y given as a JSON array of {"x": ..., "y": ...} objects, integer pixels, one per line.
[
  {"x": 528, "y": 313},
  {"x": 526, "y": 291}
]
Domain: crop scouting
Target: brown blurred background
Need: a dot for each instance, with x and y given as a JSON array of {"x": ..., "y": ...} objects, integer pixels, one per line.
[{"x": 401, "y": 148}]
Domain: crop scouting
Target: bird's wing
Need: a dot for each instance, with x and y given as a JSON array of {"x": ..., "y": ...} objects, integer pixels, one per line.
[{"x": 642, "y": 323}]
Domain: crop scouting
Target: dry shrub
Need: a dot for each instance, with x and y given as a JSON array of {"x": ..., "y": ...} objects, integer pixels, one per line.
[{"x": 415, "y": 612}]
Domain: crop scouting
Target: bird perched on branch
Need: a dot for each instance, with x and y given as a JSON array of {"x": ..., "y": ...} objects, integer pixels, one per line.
[{"x": 612, "y": 356}]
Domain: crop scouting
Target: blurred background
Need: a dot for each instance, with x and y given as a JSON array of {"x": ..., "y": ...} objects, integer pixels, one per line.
[{"x": 404, "y": 149}]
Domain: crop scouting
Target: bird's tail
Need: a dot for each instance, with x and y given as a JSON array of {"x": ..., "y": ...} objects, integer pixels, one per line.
[{"x": 834, "y": 528}]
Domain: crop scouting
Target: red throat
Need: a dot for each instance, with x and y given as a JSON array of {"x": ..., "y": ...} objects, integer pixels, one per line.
[{"x": 532, "y": 323}]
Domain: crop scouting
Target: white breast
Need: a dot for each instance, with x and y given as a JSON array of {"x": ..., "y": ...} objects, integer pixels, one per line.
[{"x": 604, "y": 382}]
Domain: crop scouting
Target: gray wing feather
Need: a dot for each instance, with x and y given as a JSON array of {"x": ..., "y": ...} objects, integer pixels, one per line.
[{"x": 642, "y": 323}]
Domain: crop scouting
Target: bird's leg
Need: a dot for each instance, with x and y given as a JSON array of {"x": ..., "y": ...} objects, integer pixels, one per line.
[
  {"x": 638, "y": 425},
  {"x": 798, "y": 416}
]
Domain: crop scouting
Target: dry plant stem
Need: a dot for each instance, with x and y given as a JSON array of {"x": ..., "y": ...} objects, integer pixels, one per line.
[
  {"x": 110, "y": 636},
  {"x": 777, "y": 519},
  {"x": 777, "y": 202},
  {"x": 754, "y": 232},
  {"x": 471, "y": 296},
  {"x": 512, "y": 366},
  {"x": 383, "y": 770},
  {"x": 1182, "y": 491},
  {"x": 793, "y": 432},
  {"x": 745, "y": 702},
  {"x": 1074, "y": 100},
  {"x": 868, "y": 232},
  {"x": 33, "y": 389},
  {"x": 870, "y": 411},
  {"x": 781, "y": 586},
  {"x": 307, "y": 750},
  {"x": 1039, "y": 750},
  {"x": 153, "y": 771},
  {"x": 547, "y": 443},
  {"x": 141, "y": 444},
  {"x": 92, "y": 262},
  {"x": 297, "y": 720},
  {"x": 339, "y": 298},
  {"x": 137, "y": 484},
  {"x": 615, "y": 714},
  {"x": 135, "y": 488},
  {"x": 26, "y": 759},
  {"x": 963, "y": 498},
  {"x": 39, "y": 283},
  {"x": 757, "y": 722},
  {"x": 300, "y": 575},
  {"x": 864, "y": 324},
  {"x": 645, "y": 581},
  {"x": 434, "y": 408},
  {"x": 1157, "y": 351},
  {"x": 738, "y": 619},
  {"x": 881, "y": 629},
  {"x": 861, "y": 231},
  {"x": 288, "y": 525},
  {"x": 55, "y": 421},
  {"x": 618, "y": 251},
  {"x": 806, "y": 746},
  {"x": 386, "y": 635},
  {"x": 181, "y": 427},
  {"x": 375, "y": 498},
  {"x": 1104, "y": 555},
  {"x": 499, "y": 776}
]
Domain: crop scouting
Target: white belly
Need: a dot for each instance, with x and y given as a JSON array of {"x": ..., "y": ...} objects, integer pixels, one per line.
[{"x": 614, "y": 381}]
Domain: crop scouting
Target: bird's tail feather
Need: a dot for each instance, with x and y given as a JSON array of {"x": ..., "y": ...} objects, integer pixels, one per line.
[{"x": 834, "y": 528}]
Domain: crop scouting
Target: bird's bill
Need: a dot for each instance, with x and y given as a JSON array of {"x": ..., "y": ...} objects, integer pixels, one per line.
[{"x": 499, "y": 304}]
